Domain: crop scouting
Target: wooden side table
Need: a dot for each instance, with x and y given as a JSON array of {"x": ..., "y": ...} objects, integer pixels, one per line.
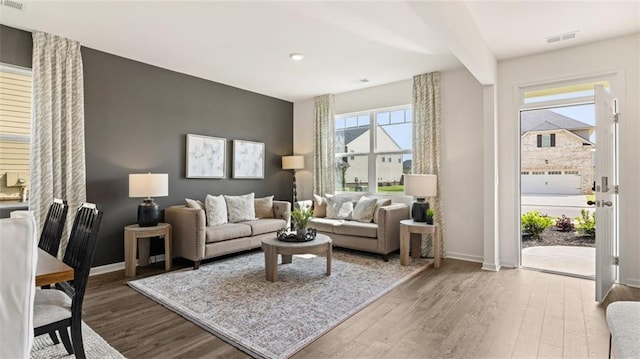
[
  {"x": 134, "y": 234},
  {"x": 408, "y": 227}
]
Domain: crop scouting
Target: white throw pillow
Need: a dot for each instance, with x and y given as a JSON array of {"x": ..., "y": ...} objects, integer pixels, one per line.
[
  {"x": 240, "y": 208},
  {"x": 363, "y": 212},
  {"x": 339, "y": 208},
  {"x": 216, "y": 210},
  {"x": 192, "y": 203}
]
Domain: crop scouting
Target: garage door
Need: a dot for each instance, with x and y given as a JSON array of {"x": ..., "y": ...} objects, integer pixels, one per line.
[{"x": 544, "y": 182}]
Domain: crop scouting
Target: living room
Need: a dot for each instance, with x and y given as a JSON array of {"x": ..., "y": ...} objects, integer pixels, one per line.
[{"x": 137, "y": 116}]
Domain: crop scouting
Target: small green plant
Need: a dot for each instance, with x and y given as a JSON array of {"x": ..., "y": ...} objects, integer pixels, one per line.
[
  {"x": 300, "y": 217},
  {"x": 534, "y": 223},
  {"x": 430, "y": 213},
  {"x": 587, "y": 223},
  {"x": 564, "y": 224}
]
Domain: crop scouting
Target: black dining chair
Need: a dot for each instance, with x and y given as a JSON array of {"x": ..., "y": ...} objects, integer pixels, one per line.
[
  {"x": 53, "y": 227},
  {"x": 59, "y": 309}
]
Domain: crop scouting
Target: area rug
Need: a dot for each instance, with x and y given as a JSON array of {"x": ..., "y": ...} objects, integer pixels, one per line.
[
  {"x": 231, "y": 298},
  {"x": 94, "y": 347}
]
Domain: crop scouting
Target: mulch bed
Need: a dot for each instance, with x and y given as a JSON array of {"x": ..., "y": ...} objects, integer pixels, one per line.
[{"x": 552, "y": 237}]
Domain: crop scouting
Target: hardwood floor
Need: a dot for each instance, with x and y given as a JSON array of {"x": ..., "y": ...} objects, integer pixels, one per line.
[{"x": 457, "y": 311}]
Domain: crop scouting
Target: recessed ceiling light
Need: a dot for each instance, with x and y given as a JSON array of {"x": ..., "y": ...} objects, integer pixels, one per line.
[{"x": 296, "y": 56}]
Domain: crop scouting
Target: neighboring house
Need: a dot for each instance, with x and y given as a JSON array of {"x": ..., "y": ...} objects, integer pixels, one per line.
[
  {"x": 356, "y": 167},
  {"x": 556, "y": 154}
]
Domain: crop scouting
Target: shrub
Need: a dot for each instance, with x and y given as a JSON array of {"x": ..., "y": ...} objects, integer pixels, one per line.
[
  {"x": 564, "y": 224},
  {"x": 534, "y": 223},
  {"x": 587, "y": 223}
]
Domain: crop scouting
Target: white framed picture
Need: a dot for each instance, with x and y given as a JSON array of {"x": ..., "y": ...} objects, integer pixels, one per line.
[
  {"x": 206, "y": 157},
  {"x": 248, "y": 159}
]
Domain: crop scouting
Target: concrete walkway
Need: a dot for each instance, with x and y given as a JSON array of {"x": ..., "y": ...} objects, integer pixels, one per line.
[{"x": 572, "y": 260}]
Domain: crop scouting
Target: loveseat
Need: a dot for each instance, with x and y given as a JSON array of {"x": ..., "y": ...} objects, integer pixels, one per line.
[
  {"x": 380, "y": 234},
  {"x": 196, "y": 237}
]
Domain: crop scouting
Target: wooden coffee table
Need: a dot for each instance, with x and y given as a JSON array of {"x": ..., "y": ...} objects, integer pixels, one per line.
[{"x": 272, "y": 247}]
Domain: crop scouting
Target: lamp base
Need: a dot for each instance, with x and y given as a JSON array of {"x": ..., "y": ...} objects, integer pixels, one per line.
[
  {"x": 419, "y": 211},
  {"x": 148, "y": 213}
]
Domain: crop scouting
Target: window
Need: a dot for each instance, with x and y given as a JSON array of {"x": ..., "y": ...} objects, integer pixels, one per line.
[
  {"x": 15, "y": 129},
  {"x": 572, "y": 172},
  {"x": 555, "y": 172},
  {"x": 373, "y": 161},
  {"x": 537, "y": 173},
  {"x": 547, "y": 140},
  {"x": 524, "y": 173}
]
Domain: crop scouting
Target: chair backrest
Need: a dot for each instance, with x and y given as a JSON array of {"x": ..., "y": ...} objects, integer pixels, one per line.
[
  {"x": 18, "y": 258},
  {"x": 82, "y": 247},
  {"x": 53, "y": 227}
]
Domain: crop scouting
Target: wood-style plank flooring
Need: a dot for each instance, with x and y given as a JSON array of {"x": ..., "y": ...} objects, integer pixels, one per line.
[{"x": 457, "y": 311}]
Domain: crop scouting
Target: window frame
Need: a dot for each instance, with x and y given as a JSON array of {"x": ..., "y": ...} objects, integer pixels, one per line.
[
  {"x": 18, "y": 70},
  {"x": 373, "y": 153}
]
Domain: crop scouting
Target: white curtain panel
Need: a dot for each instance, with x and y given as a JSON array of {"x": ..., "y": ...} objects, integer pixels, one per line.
[
  {"x": 324, "y": 171},
  {"x": 426, "y": 143},
  {"x": 57, "y": 167}
]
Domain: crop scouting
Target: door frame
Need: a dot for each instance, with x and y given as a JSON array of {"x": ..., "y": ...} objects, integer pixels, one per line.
[{"x": 616, "y": 82}]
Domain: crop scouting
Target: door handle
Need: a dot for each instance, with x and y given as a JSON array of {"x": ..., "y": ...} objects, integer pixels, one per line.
[
  {"x": 590, "y": 203},
  {"x": 607, "y": 203}
]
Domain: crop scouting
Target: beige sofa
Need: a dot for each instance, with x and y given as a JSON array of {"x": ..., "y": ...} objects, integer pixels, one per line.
[
  {"x": 382, "y": 237},
  {"x": 193, "y": 240}
]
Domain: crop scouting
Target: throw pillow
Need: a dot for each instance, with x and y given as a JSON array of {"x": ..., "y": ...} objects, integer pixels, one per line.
[
  {"x": 319, "y": 206},
  {"x": 192, "y": 203},
  {"x": 363, "y": 211},
  {"x": 339, "y": 208},
  {"x": 240, "y": 208},
  {"x": 264, "y": 207},
  {"x": 380, "y": 203},
  {"x": 216, "y": 210}
]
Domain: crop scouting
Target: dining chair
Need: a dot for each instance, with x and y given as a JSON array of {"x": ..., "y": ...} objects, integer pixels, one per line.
[
  {"x": 61, "y": 308},
  {"x": 53, "y": 227},
  {"x": 18, "y": 257}
]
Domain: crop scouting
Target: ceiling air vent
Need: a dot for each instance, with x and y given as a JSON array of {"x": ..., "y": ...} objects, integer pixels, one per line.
[
  {"x": 12, "y": 4},
  {"x": 562, "y": 37}
]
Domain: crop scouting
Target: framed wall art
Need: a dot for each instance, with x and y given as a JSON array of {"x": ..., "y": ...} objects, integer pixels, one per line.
[
  {"x": 206, "y": 157},
  {"x": 248, "y": 159}
]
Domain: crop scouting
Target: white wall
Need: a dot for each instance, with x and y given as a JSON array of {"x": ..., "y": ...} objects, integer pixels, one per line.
[
  {"x": 462, "y": 151},
  {"x": 619, "y": 54}
]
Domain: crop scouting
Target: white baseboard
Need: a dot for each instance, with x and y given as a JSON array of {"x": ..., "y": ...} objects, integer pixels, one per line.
[
  {"x": 464, "y": 257},
  {"x": 113, "y": 267},
  {"x": 490, "y": 267},
  {"x": 632, "y": 282}
]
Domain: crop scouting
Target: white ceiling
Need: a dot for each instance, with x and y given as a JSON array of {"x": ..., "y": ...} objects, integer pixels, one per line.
[{"x": 246, "y": 44}]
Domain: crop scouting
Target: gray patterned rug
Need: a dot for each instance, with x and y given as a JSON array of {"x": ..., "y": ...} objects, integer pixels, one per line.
[
  {"x": 231, "y": 298},
  {"x": 94, "y": 347}
]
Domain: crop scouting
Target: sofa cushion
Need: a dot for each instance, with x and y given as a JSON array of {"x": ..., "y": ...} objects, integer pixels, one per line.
[
  {"x": 380, "y": 203},
  {"x": 267, "y": 225},
  {"x": 324, "y": 224},
  {"x": 264, "y": 207},
  {"x": 359, "y": 229},
  {"x": 240, "y": 208},
  {"x": 363, "y": 211},
  {"x": 339, "y": 208},
  {"x": 192, "y": 203},
  {"x": 227, "y": 231},
  {"x": 216, "y": 209},
  {"x": 319, "y": 206}
]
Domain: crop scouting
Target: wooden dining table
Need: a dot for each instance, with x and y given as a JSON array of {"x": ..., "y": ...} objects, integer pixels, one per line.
[{"x": 51, "y": 270}]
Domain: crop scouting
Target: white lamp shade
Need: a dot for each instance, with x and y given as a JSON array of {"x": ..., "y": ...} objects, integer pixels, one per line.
[
  {"x": 292, "y": 162},
  {"x": 148, "y": 185},
  {"x": 420, "y": 185}
]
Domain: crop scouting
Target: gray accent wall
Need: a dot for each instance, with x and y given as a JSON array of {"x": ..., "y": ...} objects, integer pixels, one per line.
[{"x": 137, "y": 117}]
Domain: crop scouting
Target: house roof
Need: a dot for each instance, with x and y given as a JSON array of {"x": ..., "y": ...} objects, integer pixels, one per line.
[{"x": 545, "y": 120}]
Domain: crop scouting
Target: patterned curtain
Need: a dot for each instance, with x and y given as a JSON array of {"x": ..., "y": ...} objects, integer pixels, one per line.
[
  {"x": 324, "y": 171},
  {"x": 57, "y": 167},
  {"x": 426, "y": 143}
]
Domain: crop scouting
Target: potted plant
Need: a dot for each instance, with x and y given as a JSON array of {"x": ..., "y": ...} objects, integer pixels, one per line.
[
  {"x": 300, "y": 220},
  {"x": 430, "y": 214}
]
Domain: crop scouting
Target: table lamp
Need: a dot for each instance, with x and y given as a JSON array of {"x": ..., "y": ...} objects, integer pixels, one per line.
[
  {"x": 148, "y": 185},
  {"x": 294, "y": 163},
  {"x": 420, "y": 186}
]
